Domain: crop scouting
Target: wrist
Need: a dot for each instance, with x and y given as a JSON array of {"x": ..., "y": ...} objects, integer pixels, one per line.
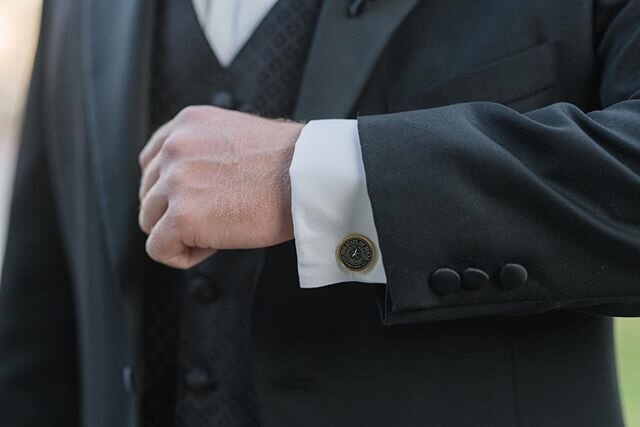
[{"x": 291, "y": 136}]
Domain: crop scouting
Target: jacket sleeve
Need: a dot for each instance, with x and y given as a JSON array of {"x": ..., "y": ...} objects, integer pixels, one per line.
[
  {"x": 545, "y": 205},
  {"x": 38, "y": 371}
]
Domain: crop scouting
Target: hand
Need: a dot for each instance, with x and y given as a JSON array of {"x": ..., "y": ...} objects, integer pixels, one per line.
[{"x": 216, "y": 179}]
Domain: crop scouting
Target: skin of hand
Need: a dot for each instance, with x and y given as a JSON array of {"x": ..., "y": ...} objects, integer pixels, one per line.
[{"x": 215, "y": 179}]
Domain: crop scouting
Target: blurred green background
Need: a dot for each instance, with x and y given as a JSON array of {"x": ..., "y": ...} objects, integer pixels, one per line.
[
  {"x": 628, "y": 347},
  {"x": 18, "y": 30}
]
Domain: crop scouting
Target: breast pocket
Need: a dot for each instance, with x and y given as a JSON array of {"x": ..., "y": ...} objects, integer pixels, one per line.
[{"x": 524, "y": 81}]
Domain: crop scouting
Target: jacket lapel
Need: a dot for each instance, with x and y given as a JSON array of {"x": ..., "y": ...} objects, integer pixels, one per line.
[
  {"x": 343, "y": 55},
  {"x": 117, "y": 38}
]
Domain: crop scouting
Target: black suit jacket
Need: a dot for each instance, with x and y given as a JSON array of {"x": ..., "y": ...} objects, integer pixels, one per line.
[{"x": 536, "y": 163}]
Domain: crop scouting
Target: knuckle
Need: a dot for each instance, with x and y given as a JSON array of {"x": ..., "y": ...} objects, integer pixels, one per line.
[
  {"x": 151, "y": 247},
  {"x": 172, "y": 147},
  {"x": 188, "y": 113},
  {"x": 180, "y": 217},
  {"x": 175, "y": 179},
  {"x": 142, "y": 223}
]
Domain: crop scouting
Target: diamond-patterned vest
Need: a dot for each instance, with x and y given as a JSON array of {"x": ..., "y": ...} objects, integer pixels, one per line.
[{"x": 197, "y": 368}]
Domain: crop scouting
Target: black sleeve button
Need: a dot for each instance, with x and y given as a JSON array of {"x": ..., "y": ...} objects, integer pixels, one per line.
[
  {"x": 513, "y": 276},
  {"x": 444, "y": 281},
  {"x": 223, "y": 99},
  {"x": 474, "y": 279}
]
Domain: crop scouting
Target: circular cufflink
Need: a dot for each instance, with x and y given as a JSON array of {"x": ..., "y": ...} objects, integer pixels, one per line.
[{"x": 356, "y": 253}]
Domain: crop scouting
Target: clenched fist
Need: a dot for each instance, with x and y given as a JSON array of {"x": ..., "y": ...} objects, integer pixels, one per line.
[{"x": 216, "y": 179}]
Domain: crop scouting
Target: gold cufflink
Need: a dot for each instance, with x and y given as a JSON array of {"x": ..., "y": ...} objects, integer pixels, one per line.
[{"x": 356, "y": 253}]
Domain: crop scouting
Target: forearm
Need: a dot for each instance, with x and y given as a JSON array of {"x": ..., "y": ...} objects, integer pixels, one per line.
[{"x": 481, "y": 186}]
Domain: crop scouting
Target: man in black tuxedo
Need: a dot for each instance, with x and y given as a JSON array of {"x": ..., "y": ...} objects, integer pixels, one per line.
[{"x": 501, "y": 146}]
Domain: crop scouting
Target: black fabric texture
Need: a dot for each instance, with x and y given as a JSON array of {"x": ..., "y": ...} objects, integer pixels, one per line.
[{"x": 493, "y": 132}]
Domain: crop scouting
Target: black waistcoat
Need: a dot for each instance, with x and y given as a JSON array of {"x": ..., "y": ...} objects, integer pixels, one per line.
[{"x": 197, "y": 369}]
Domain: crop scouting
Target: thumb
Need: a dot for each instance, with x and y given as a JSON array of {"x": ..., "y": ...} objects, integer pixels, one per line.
[{"x": 166, "y": 246}]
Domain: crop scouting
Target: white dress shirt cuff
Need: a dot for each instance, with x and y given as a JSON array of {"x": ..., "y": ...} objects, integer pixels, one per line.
[{"x": 330, "y": 201}]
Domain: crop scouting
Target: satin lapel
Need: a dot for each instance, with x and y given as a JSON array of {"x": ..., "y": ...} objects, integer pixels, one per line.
[
  {"x": 343, "y": 55},
  {"x": 117, "y": 38}
]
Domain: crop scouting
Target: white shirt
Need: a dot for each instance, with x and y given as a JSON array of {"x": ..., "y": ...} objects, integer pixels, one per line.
[{"x": 328, "y": 184}]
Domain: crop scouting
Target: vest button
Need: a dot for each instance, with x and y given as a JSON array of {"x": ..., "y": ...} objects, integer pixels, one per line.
[
  {"x": 513, "y": 276},
  {"x": 203, "y": 291},
  {"x": 197, "y": 380},
  {"x": 445, "y": 281},
  {"x": 128, "y": 378},
  {"x": 223, "y": 99}
]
